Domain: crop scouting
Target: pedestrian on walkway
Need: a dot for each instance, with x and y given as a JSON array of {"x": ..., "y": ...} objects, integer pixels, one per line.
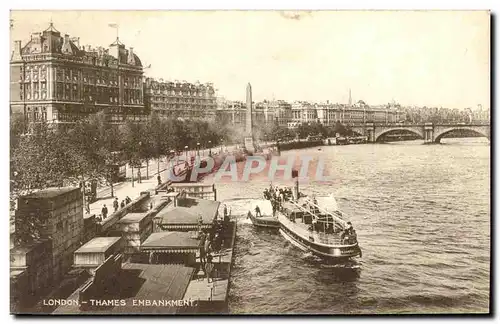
[
  {"x": 87, "y": 205},
  {"x": 139, "y": 178},
  {"x": 122, "y": 204},
  {"x": 128, "y": 200},
  {"x": 159, "y": 179},
  {"x": 104, "y": 211},
  {"x": 115, "y": 204}
]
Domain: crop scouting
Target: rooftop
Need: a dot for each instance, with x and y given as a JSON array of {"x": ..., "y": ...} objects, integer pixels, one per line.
[
  {"x": 171, "y": 240},
  {"x": 132, "y": 218},
  {"x": 98, "y": 244},
  {"x": 189, "y": 210},
  {"x": 141, "y": 282},
  {"x": 50, "y": 192}
]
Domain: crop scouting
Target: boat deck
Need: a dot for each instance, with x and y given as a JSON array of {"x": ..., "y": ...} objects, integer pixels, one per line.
[{"x": 302, "y": 229}]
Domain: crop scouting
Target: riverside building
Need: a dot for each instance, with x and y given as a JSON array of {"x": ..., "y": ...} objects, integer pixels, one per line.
[
  {"x": 54, "y": 79},
  {"x": 181, "y": 99}
]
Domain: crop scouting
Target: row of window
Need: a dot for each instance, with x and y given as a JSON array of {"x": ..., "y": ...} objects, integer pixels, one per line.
[
  {"x": 183, "y": 94},
  {"x": 169, "y": 99}
]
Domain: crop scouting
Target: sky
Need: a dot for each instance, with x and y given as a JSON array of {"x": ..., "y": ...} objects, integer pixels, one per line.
[{"x": 421, "y": 58}]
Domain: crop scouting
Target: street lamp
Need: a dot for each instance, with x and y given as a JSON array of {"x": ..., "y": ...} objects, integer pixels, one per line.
[
  {"x": 198, "y": 147},
  {"x": 186, "y": 148},
  {"x": 209, "y": 148}
]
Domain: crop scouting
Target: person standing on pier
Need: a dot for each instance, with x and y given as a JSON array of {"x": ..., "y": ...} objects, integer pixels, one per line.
[
  {"x": 122, "y": 204},
  {"x": 257, "y": 212},
  {"x": 203, "y": 239},
  {"x": 128, "y": 200},
  {"x": 200, "y": 222},
  {"x": 159, "y": 179},
  {"x": 209, "y": 267}
]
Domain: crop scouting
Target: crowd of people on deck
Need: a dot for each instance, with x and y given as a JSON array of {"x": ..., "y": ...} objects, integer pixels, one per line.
[
  {"x": 349, "y": 235},
  {"x": 277, "y": 196}
]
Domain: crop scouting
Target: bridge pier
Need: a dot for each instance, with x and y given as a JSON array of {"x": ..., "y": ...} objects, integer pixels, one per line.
[
  {"x": 428, "y": 133},
  {"x": 370, "y": 132}
]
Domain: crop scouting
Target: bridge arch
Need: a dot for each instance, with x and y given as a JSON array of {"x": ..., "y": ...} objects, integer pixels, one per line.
[
  {"x": 385, "y": 131},
  {"x": 483, "y": 131}
]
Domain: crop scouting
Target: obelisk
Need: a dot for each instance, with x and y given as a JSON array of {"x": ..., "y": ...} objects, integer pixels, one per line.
[
  {"x": 249, "y": 145},
  {"x": 249, "y": 125}
]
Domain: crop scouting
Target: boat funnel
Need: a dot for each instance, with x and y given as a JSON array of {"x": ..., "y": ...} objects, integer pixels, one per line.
[{"x": 295, "y": 177}]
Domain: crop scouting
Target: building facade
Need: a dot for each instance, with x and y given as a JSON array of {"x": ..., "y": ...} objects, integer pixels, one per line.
[
  {"x": 181, "y": 99},
  {"x": 53, "y": 79},
  {"x": 278, "y": 112},
  {"x": 328, "y": 114}
]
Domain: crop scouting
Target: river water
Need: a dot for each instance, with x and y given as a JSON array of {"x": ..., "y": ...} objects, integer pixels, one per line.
[{"x": 422, "y": 215}]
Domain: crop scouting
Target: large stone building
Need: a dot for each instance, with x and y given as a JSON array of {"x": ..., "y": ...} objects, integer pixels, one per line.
[
  {"x": 328, "y": 114},
  {"x": 277, "y": 112},
  {"x": 53, "y": 78},
  {"x": 181, "y": 99},
  {"x": 231, "y": 112}
]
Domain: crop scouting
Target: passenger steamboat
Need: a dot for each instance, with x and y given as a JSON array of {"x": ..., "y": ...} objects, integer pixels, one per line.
[{"x": 315, "y": 225}]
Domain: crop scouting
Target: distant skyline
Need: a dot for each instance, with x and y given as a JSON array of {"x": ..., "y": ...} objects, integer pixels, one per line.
[{"x": 421, "y": 58}]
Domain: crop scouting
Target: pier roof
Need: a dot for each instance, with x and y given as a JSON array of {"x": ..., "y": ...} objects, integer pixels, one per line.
[
  {"x": 141, "y": 283},
  {"x": 98, "y": 244},
  {"x": 189, "y": 210},
  {"x": 174, "y": 240}
]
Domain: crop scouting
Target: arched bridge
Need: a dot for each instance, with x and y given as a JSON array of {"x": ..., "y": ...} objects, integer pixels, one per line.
[{"x": 429, "y": 132}]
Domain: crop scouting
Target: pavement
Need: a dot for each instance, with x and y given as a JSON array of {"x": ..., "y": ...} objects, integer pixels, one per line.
[{"x": 123, "y": 189}]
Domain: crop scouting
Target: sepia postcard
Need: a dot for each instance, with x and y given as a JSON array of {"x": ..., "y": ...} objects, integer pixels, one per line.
[{"x": 250, "y": 162}]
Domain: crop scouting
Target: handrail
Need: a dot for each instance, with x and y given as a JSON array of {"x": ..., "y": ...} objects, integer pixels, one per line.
[
  {"x": 323, "y": 210},
  {"x": 335, "y": 218}
]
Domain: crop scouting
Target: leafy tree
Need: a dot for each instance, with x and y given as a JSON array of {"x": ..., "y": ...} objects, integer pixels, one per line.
[
  {"x": 133, "y": 134},
  {"x": 96, "y": 148},
  {"x": 41, "y": 159}
]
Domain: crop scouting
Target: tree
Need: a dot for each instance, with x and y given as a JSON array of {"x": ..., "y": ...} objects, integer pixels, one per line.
[
  {"x": 133, "y": 135},
  {"x": 157, "y": 143},
  {"x": 41, "y": 159},
  {"x": 97, "y": 149}
]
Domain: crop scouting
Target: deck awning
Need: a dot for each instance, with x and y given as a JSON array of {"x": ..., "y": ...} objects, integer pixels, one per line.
[
  {"x": 163, "y": 250},
  {"x": 183, "y": 226}
]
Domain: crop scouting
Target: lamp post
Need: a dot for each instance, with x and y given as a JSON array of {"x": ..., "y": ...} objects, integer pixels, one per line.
[
  {"x": 209, "y": 148},
  {"x": 186, "y": 148},
  {"x": 198, "y": 148}
]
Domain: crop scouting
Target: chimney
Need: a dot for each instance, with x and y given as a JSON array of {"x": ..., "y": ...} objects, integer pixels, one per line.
[
  {"x": 131, "y": 59},
  {"x": 66, "y": 46},
  {"x": 17, "y": 51}
]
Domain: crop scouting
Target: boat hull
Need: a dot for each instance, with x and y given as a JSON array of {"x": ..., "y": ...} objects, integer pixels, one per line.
[{"x": 327, "y": 252}]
